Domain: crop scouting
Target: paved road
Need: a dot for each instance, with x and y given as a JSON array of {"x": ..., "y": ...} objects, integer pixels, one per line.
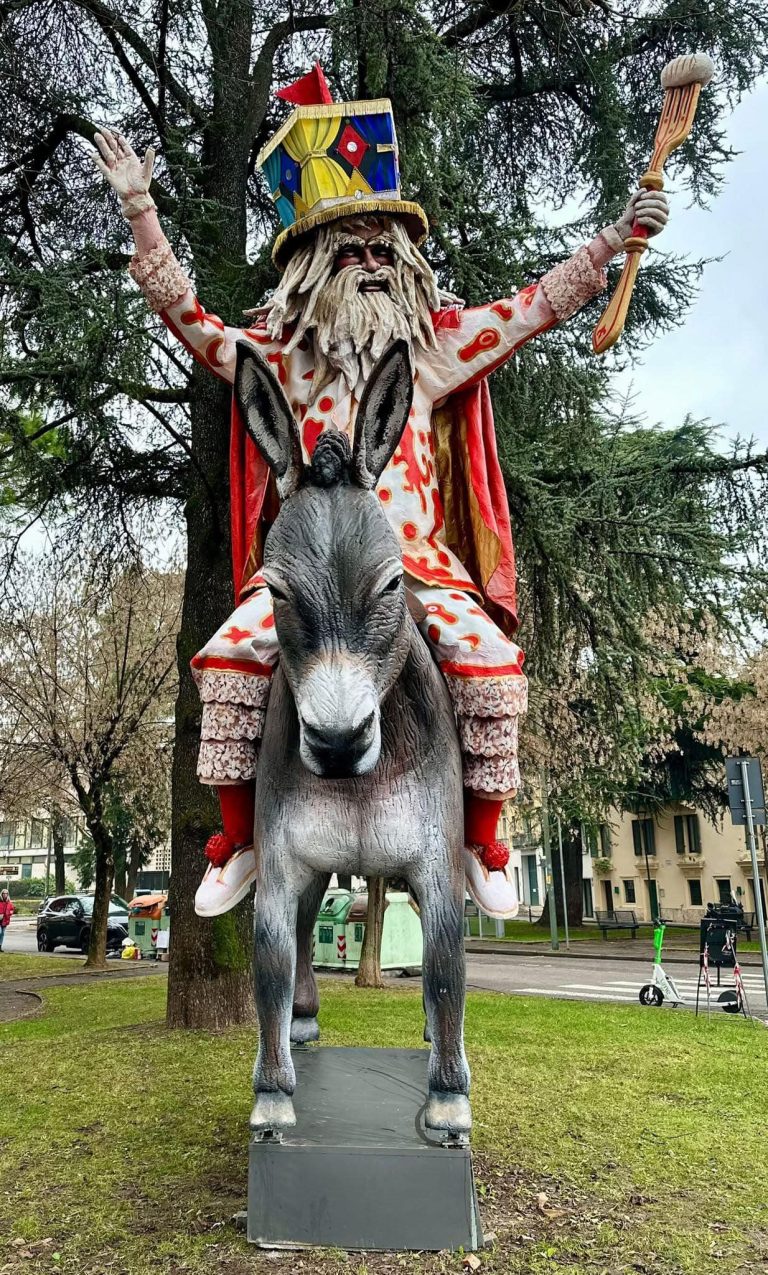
[
  {"x": 562, "y": 977},
  {"x": 573, "y": 978}
]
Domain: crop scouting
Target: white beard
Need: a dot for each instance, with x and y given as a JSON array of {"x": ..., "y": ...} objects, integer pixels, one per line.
[{"x": 353, "y": 328}]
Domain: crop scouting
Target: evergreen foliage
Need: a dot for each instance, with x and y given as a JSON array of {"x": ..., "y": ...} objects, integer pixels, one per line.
[{"x": 522, "y": 128}]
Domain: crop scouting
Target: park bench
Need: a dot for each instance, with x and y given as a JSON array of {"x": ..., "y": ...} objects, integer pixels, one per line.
[{"x": 620, "y": 919}]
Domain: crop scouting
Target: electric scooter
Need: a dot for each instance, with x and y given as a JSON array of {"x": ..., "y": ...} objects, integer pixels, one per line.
[{"x": 662, "y": 986}]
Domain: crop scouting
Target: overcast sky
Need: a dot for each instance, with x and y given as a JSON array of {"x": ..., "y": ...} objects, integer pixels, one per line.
[{"x": 716, "y": 364}]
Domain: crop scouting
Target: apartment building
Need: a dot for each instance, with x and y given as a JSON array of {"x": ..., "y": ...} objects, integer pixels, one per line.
[
  {"x": 671, "y": 863},
  {"x": 26, "y": 848}
]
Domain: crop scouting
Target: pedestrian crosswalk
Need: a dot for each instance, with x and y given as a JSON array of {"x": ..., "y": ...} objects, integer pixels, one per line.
[{"x": 627, "y": 990}]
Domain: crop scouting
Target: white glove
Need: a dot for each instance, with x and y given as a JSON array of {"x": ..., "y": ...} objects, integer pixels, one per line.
[
  {"x": 119, "y": 163},
  {"x": 648, "y": 207}
]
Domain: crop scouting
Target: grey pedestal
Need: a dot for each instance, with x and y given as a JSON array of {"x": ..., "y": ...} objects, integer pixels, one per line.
[{"x": 359, "y": 1171}]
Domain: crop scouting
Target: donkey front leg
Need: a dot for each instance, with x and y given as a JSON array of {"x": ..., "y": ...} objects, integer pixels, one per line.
[
  {"x": 306, "y": 1000},
  {"x": 441, "y": 903},
  {"x": 274, "y": 965}
]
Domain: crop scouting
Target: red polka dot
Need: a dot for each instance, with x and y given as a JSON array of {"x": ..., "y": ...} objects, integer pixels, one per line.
[
  {"x": 311, "y": 431},
  {"x": 325, "y": 404},
  {"x": 443, "y": 559},
  {"x": 385, "y": 494},
  {"x": 422, "y": 438},
  {"x": 410, "y": 530},
  {"x": 433, "y": 633},
  {"x": 268, "y": 622},
  {"x": 457, "y": 597}
]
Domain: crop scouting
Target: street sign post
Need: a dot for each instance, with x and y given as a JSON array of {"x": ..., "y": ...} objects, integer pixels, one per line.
[
  {"x": 735, "y": 768},
  {"x": 746, "y": 798}
]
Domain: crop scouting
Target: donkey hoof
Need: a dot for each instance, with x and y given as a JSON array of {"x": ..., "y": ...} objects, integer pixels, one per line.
[
  {"x": 304, "y": 1031},
  {"x": 272, "y": 1111},
  {"x": 448, "y": 1113}
]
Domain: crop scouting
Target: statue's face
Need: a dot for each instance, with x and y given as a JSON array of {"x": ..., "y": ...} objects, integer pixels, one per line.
[{"x": 367, "y": 251}]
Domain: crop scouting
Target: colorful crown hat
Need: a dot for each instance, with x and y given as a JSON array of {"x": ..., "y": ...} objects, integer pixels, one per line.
[{"x": 331, "y": 160}]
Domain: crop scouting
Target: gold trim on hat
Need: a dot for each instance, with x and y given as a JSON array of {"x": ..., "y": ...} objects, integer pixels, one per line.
[{"x": 404, "y": 208}]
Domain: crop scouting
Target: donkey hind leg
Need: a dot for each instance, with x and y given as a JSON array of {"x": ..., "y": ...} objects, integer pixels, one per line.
[
  {"x": 442, "y": 918},
  {"x": 306, "y": 999},
  {"x": 274, "y": 965}
]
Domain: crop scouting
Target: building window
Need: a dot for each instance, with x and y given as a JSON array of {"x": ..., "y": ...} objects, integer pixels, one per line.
[
  {"x": 39, "y": 833},
  {"x": 644, "y": 836},
  {"x": 20, "y": 836},
  {"x": 26, "y": 871},
  {"x": 6, "y": 834},
  {"x": 605, "y": 841},
  {"x": 629, "y": 892},
  {"x": 723, "y": 885},
  {"x": 69, "y": 830},
  {"x": 694, "y": 890},
  {"x": 687, "y": 834}
]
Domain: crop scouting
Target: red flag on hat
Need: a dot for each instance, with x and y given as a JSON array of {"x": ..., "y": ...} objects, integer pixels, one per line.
[{"x": 311, "y": 90}]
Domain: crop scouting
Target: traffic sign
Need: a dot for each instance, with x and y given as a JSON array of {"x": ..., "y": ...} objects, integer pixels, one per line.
[{"x": 734, "y": 777}]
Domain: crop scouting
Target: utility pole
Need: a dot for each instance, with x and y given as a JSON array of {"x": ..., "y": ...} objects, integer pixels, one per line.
[
  {"x": 744, "y": 768},
  {"x": 555, "y": 940},
  {"x": 562, "y": 881}
]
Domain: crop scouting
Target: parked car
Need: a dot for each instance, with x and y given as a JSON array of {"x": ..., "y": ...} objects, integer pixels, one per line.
[{"x": 65, "y": 921}]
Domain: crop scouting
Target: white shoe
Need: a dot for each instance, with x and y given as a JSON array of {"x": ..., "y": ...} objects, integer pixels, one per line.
[
  {"x": 493, "y": 892},
  {"x": 221, "y": 888}
]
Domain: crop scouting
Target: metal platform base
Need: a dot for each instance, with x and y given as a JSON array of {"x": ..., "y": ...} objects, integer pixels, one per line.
[{"x": 359, "y": 1170}]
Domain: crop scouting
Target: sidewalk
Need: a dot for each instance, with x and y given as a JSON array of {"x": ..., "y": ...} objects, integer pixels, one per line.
[{"x": 608, "y": 950}]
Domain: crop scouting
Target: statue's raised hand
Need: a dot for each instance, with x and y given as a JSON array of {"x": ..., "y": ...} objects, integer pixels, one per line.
[
  {"x": 649, "y": 208},
  {"x": 129, "y": 176}
]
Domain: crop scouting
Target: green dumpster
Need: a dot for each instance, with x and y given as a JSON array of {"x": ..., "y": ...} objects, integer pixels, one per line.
[
  {"x": 330, "y": 930},
  {"x": 148, "y": 917},
  {"x": 340, "y": 929}
]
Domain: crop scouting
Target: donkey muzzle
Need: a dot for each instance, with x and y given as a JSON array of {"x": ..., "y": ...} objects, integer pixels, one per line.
[{"x": 339, "y": 723}]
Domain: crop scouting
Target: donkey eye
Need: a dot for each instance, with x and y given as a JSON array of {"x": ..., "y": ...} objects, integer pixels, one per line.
[{"x": 392, "y": 585}]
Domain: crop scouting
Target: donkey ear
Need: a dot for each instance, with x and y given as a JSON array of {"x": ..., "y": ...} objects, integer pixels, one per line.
[
  {"x": 268, "y": 418},
  {"x": 382, "y": 413}
]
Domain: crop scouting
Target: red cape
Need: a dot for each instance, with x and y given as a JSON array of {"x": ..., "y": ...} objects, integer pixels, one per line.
[{"x": 477, "y": 525}]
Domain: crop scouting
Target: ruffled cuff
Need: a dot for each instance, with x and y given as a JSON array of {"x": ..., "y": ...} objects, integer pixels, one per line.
[
  {"x": 160, "y": 277},
  {"x": 605, "y": 246},
  {"x": 229, "y": 761},
  {"x": 570, "y": 285}
]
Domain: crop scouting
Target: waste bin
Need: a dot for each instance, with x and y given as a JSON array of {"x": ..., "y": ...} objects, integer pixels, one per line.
[
  {"x": 719, "y": 920},
  {"x": 330, "y": 950},
  {"x": 340, "y": 929},
  {"x": 148, "y": 916}
]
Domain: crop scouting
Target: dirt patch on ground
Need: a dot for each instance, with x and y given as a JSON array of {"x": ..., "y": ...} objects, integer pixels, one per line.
[{"x": 18, "y": 1004}]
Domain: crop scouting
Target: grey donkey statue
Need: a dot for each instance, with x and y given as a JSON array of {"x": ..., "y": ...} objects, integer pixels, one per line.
[{"x": 359, "y": 770}]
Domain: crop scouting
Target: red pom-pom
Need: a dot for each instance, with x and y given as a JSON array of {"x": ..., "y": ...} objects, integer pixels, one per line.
[
  {"x": 219, "y": 849},
  {"x": 495, "y": 856}
]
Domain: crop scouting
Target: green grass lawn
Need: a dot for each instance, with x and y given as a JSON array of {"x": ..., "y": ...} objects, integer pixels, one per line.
[
  {"x": 15, "y": 965},
  {"x": 528, "y": 932},
  {"x": 123, "y": 1146}
]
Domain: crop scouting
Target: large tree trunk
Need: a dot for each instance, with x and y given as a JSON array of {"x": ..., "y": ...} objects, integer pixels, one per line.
[
  {"x": 572, "y": 848},
  {"x": 210, "y": 961},
  {"x": 57, "y": 838},
  {"x": 104, "y": 876},
  {"x": 121, "y": 881},
  {"x": 133, "y": 868},
  {"x": 369, "y": 970}
]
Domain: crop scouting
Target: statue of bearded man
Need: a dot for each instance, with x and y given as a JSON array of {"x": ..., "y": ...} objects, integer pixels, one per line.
[{"x": 353, "y": 282}]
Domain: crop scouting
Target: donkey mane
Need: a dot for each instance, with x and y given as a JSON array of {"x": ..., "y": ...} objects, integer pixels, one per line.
[{"x": 331, "y": 460}]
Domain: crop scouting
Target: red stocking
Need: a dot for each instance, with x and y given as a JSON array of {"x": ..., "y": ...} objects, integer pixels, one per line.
[
  {"x": 481, "y": 818},
  {"x": 237, "y": 806}
]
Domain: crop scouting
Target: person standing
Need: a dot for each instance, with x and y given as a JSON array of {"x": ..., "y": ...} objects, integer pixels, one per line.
[{"x": 6, "y": 912}]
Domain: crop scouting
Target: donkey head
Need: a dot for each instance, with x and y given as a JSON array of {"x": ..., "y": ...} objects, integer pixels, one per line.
[{"x": 332, "y": 562}]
